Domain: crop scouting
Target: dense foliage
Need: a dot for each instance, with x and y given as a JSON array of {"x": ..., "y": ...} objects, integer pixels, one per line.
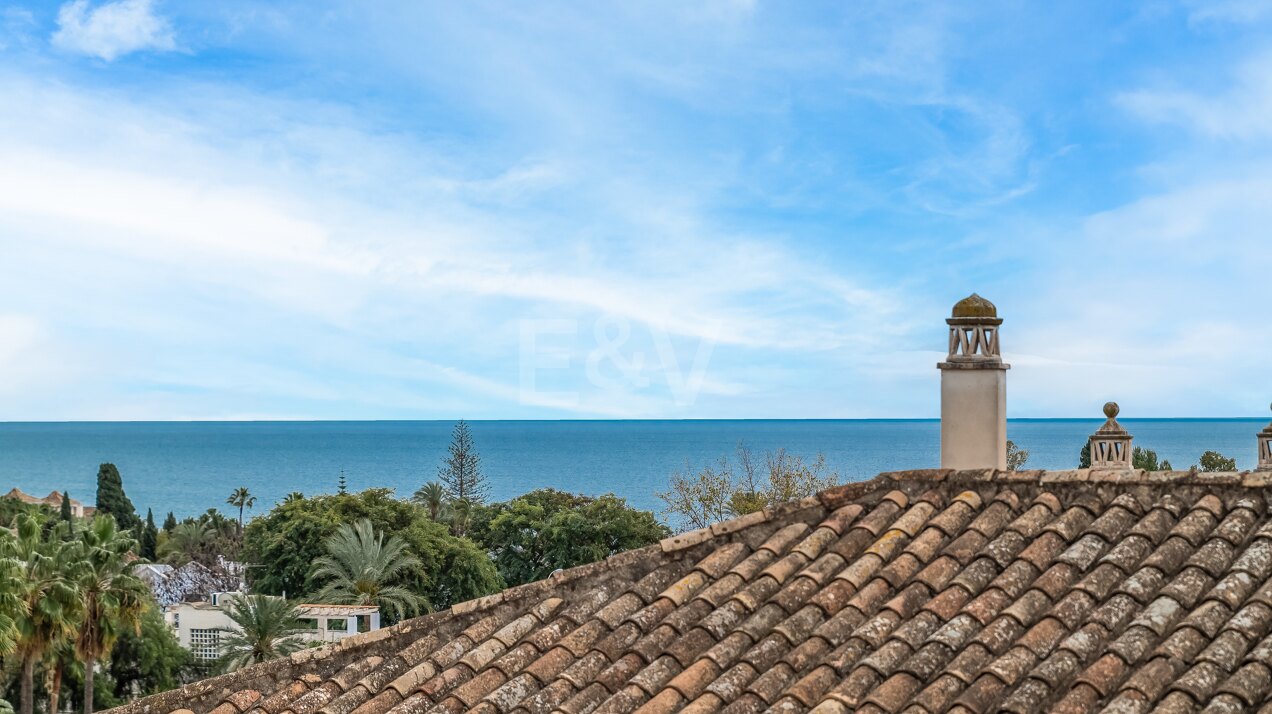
[
  {"x": 1215, "y": 461},
  {"x": 68, "y": 600},
  {"x": 111, "y": 499},
  {"x": 532, "y": 535},
  {"x": 286, "y": 542},
  {"x": 148, "y": 659}
]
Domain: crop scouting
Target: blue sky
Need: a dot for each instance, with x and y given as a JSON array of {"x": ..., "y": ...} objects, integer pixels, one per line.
[{"x": 733, "y": 208}]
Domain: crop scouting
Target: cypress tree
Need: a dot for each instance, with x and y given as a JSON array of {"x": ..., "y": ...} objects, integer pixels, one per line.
[
  {"x": 169, "y": 523},
  {"x": 112, "y": 500},
  {"x": 150, "y": 538},
  {"x": 66, "y": 507}
]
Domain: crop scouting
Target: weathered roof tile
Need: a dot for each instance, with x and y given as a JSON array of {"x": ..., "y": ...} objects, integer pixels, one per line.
[{"x": 917, "y": 592}]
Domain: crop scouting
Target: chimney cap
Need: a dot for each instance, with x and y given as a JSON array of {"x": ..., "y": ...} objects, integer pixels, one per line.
[
  {"x": 1111, "y": 410},
  {"x": 974, "y": 306}
]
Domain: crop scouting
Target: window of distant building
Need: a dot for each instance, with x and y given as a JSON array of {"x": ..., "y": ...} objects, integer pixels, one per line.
[{"x": 205, "y": 644}]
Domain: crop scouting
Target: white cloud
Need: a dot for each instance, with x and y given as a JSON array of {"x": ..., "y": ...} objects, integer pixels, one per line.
[
  {"x": 112, "y": 29},
  {"x": 1240, "y": 112},
  {"x": 1232, "y": 11},
  {"x": 179, "y": 248}
]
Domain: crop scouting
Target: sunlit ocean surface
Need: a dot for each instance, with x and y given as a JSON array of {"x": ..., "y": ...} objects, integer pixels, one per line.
[{"x": 188, "y": 467}]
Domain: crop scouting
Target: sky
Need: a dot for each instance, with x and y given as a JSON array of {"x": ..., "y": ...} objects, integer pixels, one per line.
[{"x": 719, "y": 209}]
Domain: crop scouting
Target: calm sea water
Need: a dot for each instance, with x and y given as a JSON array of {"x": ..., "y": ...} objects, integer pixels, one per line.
[{"x": 188, "y": 467}]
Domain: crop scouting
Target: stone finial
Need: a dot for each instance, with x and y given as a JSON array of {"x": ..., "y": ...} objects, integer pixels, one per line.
[
  {"x": 1265, "y": 449},
  {"x": 1111, "y": 444}
]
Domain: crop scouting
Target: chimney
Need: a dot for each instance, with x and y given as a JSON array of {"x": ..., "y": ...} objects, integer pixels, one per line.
[
  {"x": 1111, "y": 444},
  {"x": 1265, "y": 449},
  {"x": 974, "y": 389}
]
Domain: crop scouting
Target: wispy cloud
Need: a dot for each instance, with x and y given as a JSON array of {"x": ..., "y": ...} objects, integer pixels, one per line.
[
  {"x": 112, "y": 29},
  {"x": 340, "y": 210}
]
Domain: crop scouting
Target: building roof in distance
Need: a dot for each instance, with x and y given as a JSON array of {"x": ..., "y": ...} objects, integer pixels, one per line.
[{"x": 920, "y": 591}]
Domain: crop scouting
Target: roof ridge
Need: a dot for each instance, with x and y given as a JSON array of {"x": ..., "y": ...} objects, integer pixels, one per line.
[{"x": 1190, "y": 477}]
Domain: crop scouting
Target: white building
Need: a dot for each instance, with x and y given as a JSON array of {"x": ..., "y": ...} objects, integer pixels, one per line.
[{"x": 199, "y": 625}]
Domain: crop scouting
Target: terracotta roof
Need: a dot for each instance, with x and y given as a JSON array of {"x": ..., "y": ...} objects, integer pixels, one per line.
[{"x": 920, "y": 591}]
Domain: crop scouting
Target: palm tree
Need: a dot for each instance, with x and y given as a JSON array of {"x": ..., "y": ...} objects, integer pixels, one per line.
[
  {"x": 432, "y": 496},
  {"x": 265, "y": 628},
  {"x": 187, "y": 541},
  {"x": 55, "y": 661},
  {"x": 360, "y": 567},
  {"x": 461, "y": 516},
  {"x": 51, "y": 606},
  {"x": 242, "y": 498},
  {"x": 112, "y": 596},
  {"x": 11, "y": 590},
  {"x": 293, "y": 497}
]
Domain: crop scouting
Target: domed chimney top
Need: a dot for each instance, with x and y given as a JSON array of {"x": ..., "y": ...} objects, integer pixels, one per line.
[
  {"x": 974, "y": 324},
  {"x": 974, "y": 306}
]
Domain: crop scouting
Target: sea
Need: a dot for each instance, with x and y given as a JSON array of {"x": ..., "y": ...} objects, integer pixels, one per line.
[{"x": 189, "y": 467}]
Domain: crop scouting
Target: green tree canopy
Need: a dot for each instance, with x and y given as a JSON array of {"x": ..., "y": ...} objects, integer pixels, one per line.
[
  {"x": 111, "y": 499},
  {"x": 149, "y": 660},
  {"x": 1147, "y": 459},
  {"x": 286, "y": 541},
  {"x": 535, "y": 534},
  {"x": 1215, "y": 461}
]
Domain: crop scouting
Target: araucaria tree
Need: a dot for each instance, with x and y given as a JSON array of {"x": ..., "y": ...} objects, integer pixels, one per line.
[
  {"x": 111, "y": 499},
  {"x": 241, "y": 498},
  {"x": 264, "y": 628},
  {"x": 362, "y": 567},
  {"x": 460, "y": 473},
  {"x": 111, "y": 596}
]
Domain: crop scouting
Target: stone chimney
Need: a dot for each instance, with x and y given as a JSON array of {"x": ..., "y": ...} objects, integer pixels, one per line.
[
  {"x": 1265, "y": 449},
  {"x": 974, "y": 389},
  {"x": 1111, "y": 444}
]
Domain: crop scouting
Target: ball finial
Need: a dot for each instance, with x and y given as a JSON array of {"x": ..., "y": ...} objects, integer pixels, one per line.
[{"x": 1111, "y": 410}]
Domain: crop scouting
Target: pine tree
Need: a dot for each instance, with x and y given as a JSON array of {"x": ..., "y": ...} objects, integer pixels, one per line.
[
  {"x": 342, "y": 485},
  {"x": 111, "y": 498},
  {"x": 169, "y": 523},
  {"x": 150, "y": 538},
  {"x": 460, "y": 472}
]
